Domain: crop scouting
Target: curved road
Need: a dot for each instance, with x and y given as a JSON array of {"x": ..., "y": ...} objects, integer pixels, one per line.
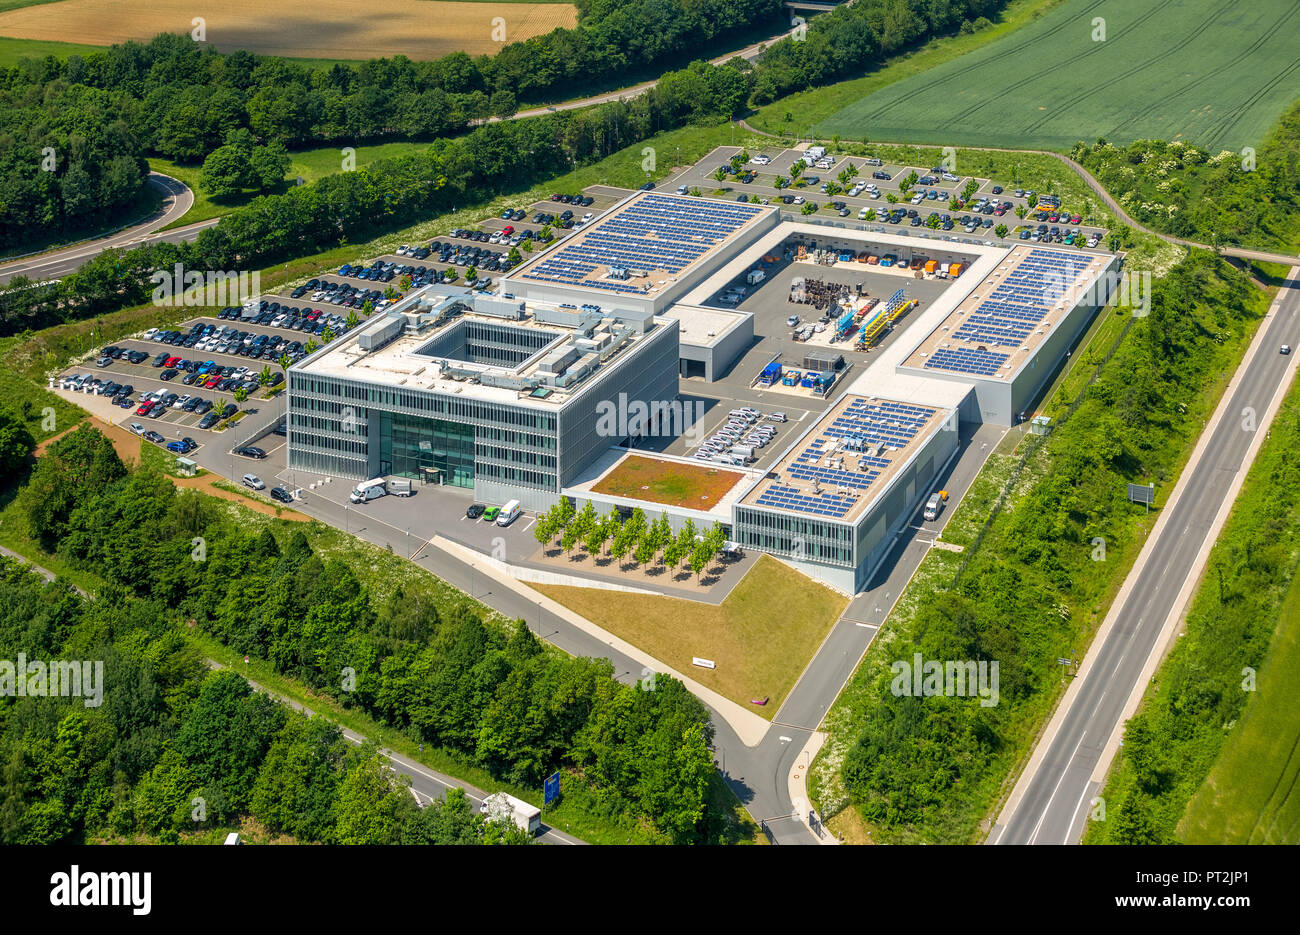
[{"x": 177, "y": 200}]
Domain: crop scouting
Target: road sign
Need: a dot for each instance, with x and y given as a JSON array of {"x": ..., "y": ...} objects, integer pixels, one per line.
[
  {"x": 552, "y": 789},
  {"x": 1141, "y": 493}
]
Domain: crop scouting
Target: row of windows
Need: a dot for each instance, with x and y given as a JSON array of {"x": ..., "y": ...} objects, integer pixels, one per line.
[
  {"x": 514, "y": 456},
  {"x": 796, "y": 525},
  {"x": 488, "y": 433},
  {"x": 460, "y": 409},
  {"x": 356, "y": 428},
  {"x": 518, "y": 476},
  {"x": 325, "y": 443},
  {"x": 795, "y": 547},
  {"x": 335, "y": 465}
]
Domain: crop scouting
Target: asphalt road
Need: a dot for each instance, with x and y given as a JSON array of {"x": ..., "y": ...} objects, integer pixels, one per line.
[
  {"x": 1056, "y": 800},
  {"x": 177, "y": 199}
]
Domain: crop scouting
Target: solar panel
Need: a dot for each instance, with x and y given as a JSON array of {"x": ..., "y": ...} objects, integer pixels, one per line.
[{"x": 655, "y": 232}]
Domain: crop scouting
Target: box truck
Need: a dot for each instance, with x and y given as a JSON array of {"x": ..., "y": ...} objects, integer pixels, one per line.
[
  {"x": 502, "y": 807},
  {"x": 755, "y": 277}
]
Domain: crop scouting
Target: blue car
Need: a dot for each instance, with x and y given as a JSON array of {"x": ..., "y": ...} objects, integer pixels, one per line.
[{"x": 345, "y": 269}]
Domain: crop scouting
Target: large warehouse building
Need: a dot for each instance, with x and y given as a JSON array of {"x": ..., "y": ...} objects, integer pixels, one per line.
[{"x": 503, "y": 394}]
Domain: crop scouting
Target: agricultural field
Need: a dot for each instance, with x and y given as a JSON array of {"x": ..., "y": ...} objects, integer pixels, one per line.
[
  {"x": 1211, "y": 73},
  {"x": 325, "y": 29},
  {"x": 668, "y": 482}
]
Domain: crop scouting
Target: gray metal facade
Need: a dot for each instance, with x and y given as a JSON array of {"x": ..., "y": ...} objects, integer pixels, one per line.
[{"x": 524, "y": 450}]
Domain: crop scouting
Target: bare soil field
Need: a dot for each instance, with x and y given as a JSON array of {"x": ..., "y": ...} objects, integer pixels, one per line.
[{"x": 329, "y": 29}]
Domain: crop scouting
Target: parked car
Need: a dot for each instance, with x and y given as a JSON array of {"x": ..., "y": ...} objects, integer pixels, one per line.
[
  {"x": 279, "y": 493},
  {"x": 253, "y": 481}
]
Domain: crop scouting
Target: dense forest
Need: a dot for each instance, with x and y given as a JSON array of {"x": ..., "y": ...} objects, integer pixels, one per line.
[
  {"x": 101, "y": 114},
  {"x": 927, "y": 769},
  {"x": 496, "y": 697},
  {"x": 1251, "y": 198},
  {"x": 172, "y": 747}
]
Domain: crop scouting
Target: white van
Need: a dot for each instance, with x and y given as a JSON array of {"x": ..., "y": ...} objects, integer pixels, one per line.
[
  {"x": 509, "y": 513},
  {"x": 368, "y": 490}
]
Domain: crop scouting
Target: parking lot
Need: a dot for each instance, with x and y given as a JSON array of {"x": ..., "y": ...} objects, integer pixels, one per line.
[{"x": 763, "y": 180}]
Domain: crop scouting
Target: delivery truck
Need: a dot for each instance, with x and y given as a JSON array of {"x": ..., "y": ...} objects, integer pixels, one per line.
[{"x": 502, "y": 807}]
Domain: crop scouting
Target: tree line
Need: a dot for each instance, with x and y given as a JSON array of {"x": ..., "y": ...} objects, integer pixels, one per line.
[
  {"x": 633, "y": 537},
  {"x": 493, "y": 696},
  {"x": 171, "y": 746},
  {"x": 385, "y": 195},
  {"x": 102, "y": 113},
  {"x": 1250, "y": 198}
]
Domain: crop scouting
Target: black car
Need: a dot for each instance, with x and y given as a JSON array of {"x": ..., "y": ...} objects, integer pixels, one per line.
[
  {"x": 152, "y": 436},
  {"x": 279, "y": 493},
  {"x": 251, "y": 452},
  {"x": 209, "y": 420},
  {"x": 229, "y": 411},
  {"x": 475, "y": 511}
]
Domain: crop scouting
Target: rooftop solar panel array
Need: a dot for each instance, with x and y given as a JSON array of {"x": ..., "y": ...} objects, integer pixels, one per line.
[
  {"x": 1011, "y": 312},
  {"x": 863, "y": 424},
  {"x": 967, "y": 360},
  {"x": 655, "y": 232}
]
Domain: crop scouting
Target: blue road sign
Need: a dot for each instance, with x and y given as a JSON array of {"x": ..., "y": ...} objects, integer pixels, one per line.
[{"x": 552, "y": 793}]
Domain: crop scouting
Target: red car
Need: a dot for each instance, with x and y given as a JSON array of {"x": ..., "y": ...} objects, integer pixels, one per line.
[
  {"x": 212, "y": 381},
  {"x": 508, "y": 230},
  {"x": 172, "y": 362},
  {"x": 1076, "y": 220},
  {"x": 144, "y": 407}
]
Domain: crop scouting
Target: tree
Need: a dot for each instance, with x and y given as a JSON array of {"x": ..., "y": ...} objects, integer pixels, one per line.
[
  {"x": 284, "y": 361},
  {"x": 352, "y": 320},
  {"x": 265, "y": 376},
  {"x": 1001, "y": 230},
  {"x": 797, "y": 168},
  {"x": 268, "y": 165},
  {"x": 373, "y": 806},
  {"x": 16, "y": 443},
  {"x": 227, "y": 171},
  {"x": 240, "y": 394}
]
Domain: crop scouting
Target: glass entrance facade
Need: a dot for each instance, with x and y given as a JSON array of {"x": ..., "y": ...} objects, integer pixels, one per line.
[{"x": 429, "y": 450}]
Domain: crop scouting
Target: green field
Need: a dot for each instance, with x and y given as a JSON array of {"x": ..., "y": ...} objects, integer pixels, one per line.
[
  {"x": 1213, "y": 73},
  {"x": 1250, "y": 796}
]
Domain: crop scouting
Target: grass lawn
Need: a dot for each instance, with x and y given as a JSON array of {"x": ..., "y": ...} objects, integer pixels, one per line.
[
  {"x": 1250, "y": 796},
  {"x": 668, "y": 482},
  {"x": 1215, "y": 74},
  {"x": 761, "y": 636}
]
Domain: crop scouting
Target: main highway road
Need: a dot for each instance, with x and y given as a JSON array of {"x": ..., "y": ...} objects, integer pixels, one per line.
[
  {"x": 1054, "y": 797},
  {"x": 177, "y": 200}
]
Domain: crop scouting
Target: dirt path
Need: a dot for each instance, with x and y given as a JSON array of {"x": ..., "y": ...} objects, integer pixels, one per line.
[{"x": 127, "y": 447}]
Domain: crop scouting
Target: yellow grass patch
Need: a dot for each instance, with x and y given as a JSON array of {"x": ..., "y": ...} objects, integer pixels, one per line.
[{"x": 418, "y": 29}]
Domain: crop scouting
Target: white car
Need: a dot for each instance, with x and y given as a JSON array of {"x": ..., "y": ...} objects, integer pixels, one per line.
[
  {"x": 253, "y": 481},
  {"x": 148, "y": 335},
  {"x": 181, "y": 401},
  {"x": 761, "y": 160}
]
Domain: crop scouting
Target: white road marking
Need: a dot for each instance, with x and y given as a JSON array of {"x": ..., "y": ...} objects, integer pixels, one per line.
[{"x": 1048, "y": 807}]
